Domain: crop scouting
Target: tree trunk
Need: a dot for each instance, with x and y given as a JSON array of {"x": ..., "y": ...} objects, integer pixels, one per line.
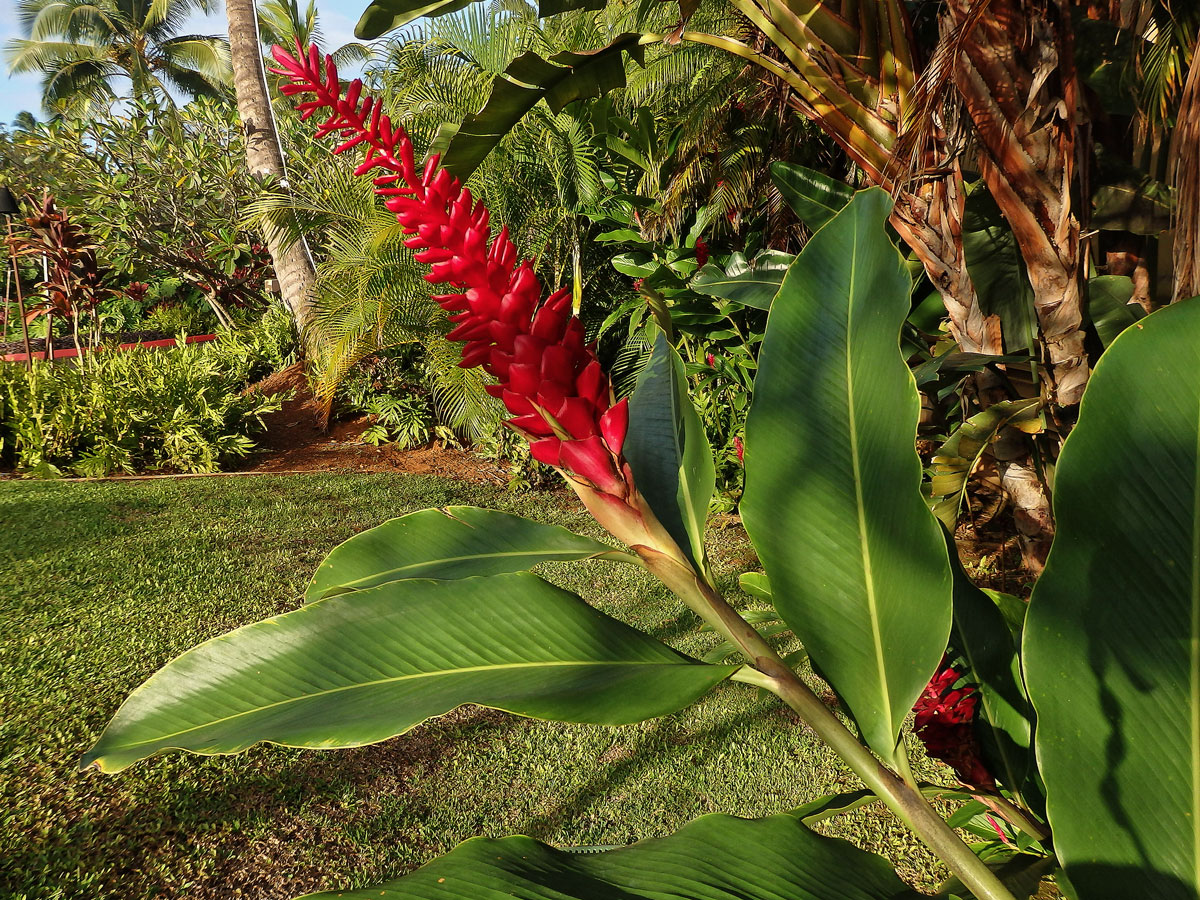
[
  {"x": 263, "y": 157},
  {"x": 1185, "y": 162},
  {"x": 1017, "y": 77},
  {"x": 929, "y": 218}
]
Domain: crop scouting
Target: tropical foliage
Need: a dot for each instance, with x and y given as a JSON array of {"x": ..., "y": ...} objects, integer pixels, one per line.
[
  {"x": 184, "y": 409},
  {"x": 1025, "y": 701},
  {"x": 83, "y": 47}
]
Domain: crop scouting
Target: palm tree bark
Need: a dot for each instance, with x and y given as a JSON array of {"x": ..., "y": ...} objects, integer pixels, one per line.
[
  {"x": 263, "y": 157},
  {"x": 1017, "y": 78},
  {"x": 1185, "y": 160}
]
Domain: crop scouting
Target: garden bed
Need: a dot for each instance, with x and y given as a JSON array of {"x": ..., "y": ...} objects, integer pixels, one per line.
[{"x": 64, "y": 347}]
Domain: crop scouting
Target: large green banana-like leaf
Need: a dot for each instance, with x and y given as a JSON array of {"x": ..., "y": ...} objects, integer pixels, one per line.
[
  {"x": 383, "y": 16},
  {"x": 1109, "y": 308},
  {"x": 713, "y": 858},
  {"x": 951, "y": 466},
  {"x": 982, "y": 637},
  {"x": 456, "y": 542},
  {"x": 814, "y": 197},
  {"x": 753, "y": 283},
  {"x": 998, "y": 270},
  {"x": 856, "y": 562},
  {"x": 565, "y": 77},
  {"x": 363, "y": 667},
  {"x": 1112, "y": 636},
  {"x": 669, "y": 452}
]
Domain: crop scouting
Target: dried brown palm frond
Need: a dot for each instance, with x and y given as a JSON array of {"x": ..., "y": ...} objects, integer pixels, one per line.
[{"x": 934, "y": 131}]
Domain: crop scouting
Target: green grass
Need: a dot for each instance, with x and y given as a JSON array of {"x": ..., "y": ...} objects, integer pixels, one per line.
[{"x": 102, "y": 583}]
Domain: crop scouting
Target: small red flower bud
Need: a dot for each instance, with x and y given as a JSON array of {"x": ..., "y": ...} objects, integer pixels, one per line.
[
  {"x": 740, "y": 449},
  {"x": 711, "y": 360},
  {"x": 701, "y": 251}
]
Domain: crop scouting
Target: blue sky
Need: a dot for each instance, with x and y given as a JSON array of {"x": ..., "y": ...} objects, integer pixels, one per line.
[{"x": 337, "y": 18}]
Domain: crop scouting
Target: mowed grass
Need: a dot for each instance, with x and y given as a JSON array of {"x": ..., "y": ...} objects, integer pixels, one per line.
[{"x": 103, "y": 583}]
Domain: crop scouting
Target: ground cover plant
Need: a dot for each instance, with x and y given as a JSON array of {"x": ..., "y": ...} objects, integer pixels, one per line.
[
  {"x": 186, "y": 408},
  {"x": 104, "y": 582},
  {"x": 438, "y": 608}
]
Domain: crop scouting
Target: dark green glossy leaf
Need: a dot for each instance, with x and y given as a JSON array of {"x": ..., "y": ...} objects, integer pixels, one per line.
[
  {"x": 1109, "y": 308},
  {"x": 383, "y": 16},
  {"x": 1112, "y": 637},
  {"x": 554, "y": 7},
  {"x": 564, "y": 78},
  {"x": 713, "y": 858},
  {"x": 360, "y": 668},
  {"x": 981, "y": 637},
  {"x": 456, "y": 542},
  {"x": 1143, "y": 208},
  {"x": 755, "y": 284},
  {"x": 998, "y": 270},
  {"x": 857, "y": 564},
  {"x": 814, "y": 197},
  {"x": 669, "y": 452}
]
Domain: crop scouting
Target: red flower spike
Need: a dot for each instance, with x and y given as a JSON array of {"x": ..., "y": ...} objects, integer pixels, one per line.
[
  {"x": 945, "y": 723},
  {"x": 536, "y": 350}
]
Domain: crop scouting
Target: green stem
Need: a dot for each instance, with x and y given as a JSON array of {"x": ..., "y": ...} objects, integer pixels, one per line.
[{"x": 776, "y": 676}]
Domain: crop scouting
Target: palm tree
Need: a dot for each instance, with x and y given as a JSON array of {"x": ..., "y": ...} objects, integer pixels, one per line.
[
  {"x": 264, "y": 155},
  {"x": 83, "y": 47},
  {"x": 283, "y": 22}
]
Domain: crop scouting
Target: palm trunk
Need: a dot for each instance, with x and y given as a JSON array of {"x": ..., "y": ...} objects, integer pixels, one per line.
[
  {"x": 929, "y": 218},
  {"x": 263, "y": 157},
  {"x": 1185, "y": 161},
  {"x": 1021, "y": 97}
]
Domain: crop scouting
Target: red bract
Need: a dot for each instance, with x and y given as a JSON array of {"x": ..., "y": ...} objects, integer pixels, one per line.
[
  {"x": 549, "y": 378},
  {"x": 945, "y": 723}
]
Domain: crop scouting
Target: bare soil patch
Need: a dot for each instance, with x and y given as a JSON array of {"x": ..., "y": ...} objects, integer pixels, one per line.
[{"x": 296, "y": 440}]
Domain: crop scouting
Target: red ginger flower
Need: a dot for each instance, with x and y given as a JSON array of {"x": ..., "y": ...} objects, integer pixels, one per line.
[
  {"x": 945, "y": 723},
  {"x": 549, "y": 379}
]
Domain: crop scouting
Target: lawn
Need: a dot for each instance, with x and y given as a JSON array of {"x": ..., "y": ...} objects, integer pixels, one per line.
[{"x": 102, "y": 583}]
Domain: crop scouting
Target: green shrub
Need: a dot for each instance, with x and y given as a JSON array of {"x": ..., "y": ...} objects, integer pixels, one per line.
[{"x": 184, "y": 409}]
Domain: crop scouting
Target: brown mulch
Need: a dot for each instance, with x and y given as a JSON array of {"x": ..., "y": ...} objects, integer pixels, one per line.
[{"x": 297, "y": 441}]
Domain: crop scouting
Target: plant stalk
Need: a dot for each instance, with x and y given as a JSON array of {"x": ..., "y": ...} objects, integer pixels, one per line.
[{"x": 907, "y": 803}]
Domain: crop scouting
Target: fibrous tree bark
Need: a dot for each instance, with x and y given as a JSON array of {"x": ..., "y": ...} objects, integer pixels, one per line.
[
  {"x": 1016, "y": 76},
  {"x": 264, "y": 157}
]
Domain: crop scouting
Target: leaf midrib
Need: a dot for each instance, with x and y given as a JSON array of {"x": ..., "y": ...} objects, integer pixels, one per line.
[
  {"x": 558, "y": 555},
  {"x": 864, "y": 542},
  {"x": 397, "y": 679}
]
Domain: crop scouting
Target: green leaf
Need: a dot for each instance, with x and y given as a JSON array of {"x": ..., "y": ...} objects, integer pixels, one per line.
[
  {"x": 456, "y": 542},
  {"x": 360, "y": 668},
  {"x": 951, "y": 467},
  {"x": 1112, "y": 637},
  {"x": 383, "y": 16},
  {"x": 997, "y": 269},
  {"x": 1109, "y": 308},
  {"x": 713, "y": 858},
  {"x": 754, "y": 285},
  {"x": 668, "y": 451},
  {"x": 814, "y": 197},
  {"x": 565, "y": 77},
  {"x": 635, "y": 264},
  {"x": 857, "y": 565},
  {"x": 755, "y": 584},
  {"x": 553, "y": 7},
  {"x": 982, "y": 638},
  {"x": 1142, "y": 208}
]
